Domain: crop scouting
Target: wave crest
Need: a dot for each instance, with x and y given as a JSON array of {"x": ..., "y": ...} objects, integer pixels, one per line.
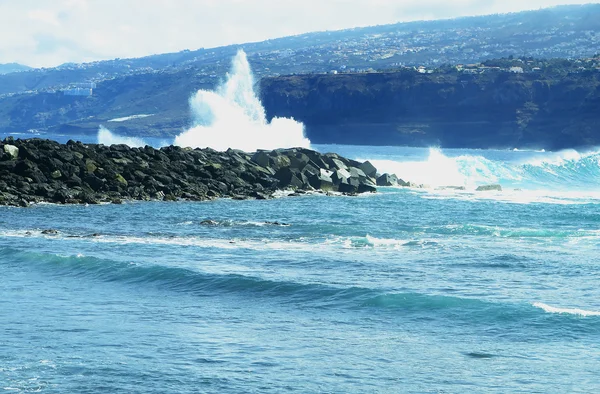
[{"x": 567, "y": 311}]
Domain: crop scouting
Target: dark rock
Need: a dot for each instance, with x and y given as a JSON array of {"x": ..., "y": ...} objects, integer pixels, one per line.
[
  {"x": 279, "y": 161},
  {"x": 349, "y": 185},
  {"x": 62, "y": 196},
  {"x": 310, "y": 169},
  {"x": 366, "y": 188},
  {"x": 289, "y": 177},
  {"x": 261, "y": 158},
  {"x": 75, "y": 173},
  {"x": 88, "y": 198},
  {"x": 322, "y": 182},
  {"x": 94, "y": 182},
  {"x": 357, "y": 173},
  {"x": 299, "y": 160},
  {"x": 368, "y": 169},
  {"x": 277, "y": 224},
  {"x": 387, "y": 180},
  {"x": 50, "y": 232}
]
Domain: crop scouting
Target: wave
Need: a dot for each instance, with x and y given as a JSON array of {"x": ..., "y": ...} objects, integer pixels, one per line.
[
  {"x": 232, "y": 116},
  {"x": 132, "y": 117},
  {"x": 289, "y": 291},
  {"x": 506, "y": 232},
  {"x": 331, "y": 243},
  {"x": 518, "y": 196},
  {"x": 281, "y": 240},
  {"x": 568, "y": 311},
  {"x": 563, "y": 171}
]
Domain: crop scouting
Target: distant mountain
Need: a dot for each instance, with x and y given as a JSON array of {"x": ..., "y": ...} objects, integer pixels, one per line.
[{"x": 13, "y": 68}]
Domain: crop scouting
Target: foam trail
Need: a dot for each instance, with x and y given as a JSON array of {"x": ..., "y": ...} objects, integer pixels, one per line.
[
  {"x": 573, "y": 311},
  {"x": 233, "y": 117},
  {"x": 106, "y": 137}
]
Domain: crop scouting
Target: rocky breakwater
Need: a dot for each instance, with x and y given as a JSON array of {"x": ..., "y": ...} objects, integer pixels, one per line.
[{"x": 36, "y": 170}]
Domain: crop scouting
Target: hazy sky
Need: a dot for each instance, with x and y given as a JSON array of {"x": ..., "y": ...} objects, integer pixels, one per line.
[{"x": 51, "y": 32}]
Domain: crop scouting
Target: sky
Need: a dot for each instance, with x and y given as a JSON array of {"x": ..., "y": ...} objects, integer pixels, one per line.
[{"x": 47, "y": 33}]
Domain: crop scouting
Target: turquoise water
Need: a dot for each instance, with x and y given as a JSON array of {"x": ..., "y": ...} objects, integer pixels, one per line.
[{"x": 407, "y": 290}]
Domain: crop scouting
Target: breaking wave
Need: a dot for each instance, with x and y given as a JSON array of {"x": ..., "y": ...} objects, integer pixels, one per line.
[
  {"x": 372, "y": 300},
  {"x": 107, "y": 137},
  {"x": 232, "y": 116},
  {"x": 567, "y": 311},
  {"x": 559, "y": 171}
]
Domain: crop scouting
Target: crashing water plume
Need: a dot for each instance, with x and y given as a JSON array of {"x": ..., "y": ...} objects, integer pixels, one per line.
[{"x": 232, "y": 116}]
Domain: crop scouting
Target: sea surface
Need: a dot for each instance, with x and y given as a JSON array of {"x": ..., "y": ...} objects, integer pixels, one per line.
[{"x": 427, "y": 290}]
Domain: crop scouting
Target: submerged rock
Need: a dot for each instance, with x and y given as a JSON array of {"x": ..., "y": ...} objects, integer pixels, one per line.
[{"x": 487, "y": 188}]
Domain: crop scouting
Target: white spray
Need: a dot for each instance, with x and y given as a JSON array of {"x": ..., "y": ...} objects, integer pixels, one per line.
[
  {"x": 106, "y": 137},
  {"x": 233, "y": 117}
]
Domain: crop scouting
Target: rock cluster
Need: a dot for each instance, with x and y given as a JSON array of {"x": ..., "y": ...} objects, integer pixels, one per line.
[{"x": 37, "y": 170}]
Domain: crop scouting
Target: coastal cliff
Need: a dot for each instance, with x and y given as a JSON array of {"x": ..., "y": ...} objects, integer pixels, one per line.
[
  {"x": 452, "y": 110},
  {"x": 37, "y": 170}
]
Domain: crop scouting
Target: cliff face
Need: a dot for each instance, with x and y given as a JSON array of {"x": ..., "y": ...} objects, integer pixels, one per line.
[{"x": 495, "y": 110}]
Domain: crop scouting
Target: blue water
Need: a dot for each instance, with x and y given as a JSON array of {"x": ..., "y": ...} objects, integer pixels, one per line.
[{"x": 407, "y": 290}]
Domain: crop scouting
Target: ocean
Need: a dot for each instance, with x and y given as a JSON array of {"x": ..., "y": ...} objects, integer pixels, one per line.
[{"x": 409, "y": 290}]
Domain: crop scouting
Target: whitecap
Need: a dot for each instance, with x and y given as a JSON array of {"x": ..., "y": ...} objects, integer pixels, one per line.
[{"x": 569, "y": 311}]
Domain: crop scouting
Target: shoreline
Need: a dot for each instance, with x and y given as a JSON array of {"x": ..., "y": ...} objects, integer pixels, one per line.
[{"x": 45, "y": 171}]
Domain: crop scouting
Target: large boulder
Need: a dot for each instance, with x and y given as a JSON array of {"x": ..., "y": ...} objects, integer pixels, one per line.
[
  {"x": 340, "y": 175},
  {"x": 349, "y": 185},
  {"x": 12, "y": 151},
  {"x": 299, "y": 160},
  {"x": 321, "y": 182},
  {"x": 369, "y": 169},
  {"x": 261, "y": 158},
  {"x": 357, "y": 173},
  {"x": 289, "y": 177},
  {"x": 279, "y": 161},
  {"x": 94, "y": 182},
  {"x": 387, "y": 180},
  {"x": 367, "y": 188}
]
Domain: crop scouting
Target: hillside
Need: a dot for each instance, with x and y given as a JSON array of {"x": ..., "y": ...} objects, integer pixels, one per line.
[
  {"x": 567, "y": 31},
  {"x": 163, "y": 95}
]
